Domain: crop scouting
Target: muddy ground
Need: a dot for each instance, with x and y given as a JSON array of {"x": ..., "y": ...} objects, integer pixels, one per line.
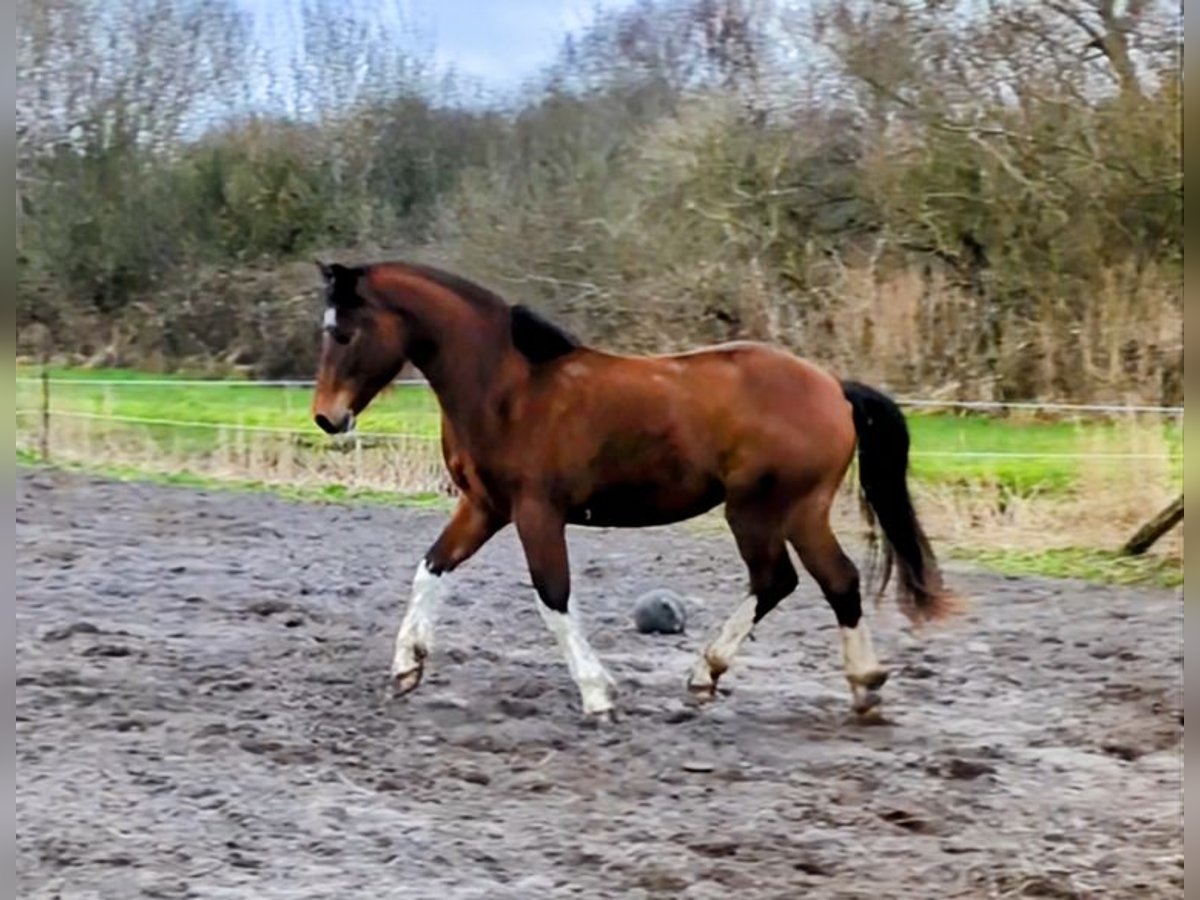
[{"x": 201, "y": 713}]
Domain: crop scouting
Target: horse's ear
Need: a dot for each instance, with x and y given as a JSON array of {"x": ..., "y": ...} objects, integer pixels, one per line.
[
  {"x": 341, "y": 284},
  {"x": 335, "y": 273}
]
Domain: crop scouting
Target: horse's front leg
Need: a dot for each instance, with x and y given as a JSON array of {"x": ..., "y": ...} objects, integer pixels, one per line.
[
  {"x": 469, "y": 528},
  {"x": 542, "y": 530}
]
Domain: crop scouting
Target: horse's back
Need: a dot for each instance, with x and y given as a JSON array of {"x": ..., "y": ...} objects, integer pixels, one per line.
[
  {"x": 743, "y": 396},
  {"x": 773, "y": 413},
  {"x": 752, "y": 374}
]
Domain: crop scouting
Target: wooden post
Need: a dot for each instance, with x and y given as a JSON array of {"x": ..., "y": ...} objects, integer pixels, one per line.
[
  {"x": 45, "y": 436},
  {"x": 1145, "y": 537}
]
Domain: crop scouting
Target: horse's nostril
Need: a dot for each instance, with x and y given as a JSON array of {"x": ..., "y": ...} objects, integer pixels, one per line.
[{"x": 324, "y": 424}]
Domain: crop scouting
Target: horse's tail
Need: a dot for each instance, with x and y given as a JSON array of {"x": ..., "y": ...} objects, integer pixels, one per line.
[{"x": 883, "y": 475}]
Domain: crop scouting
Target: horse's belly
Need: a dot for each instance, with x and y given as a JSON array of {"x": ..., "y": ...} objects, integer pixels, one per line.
[{"x": 635, "y": 505}]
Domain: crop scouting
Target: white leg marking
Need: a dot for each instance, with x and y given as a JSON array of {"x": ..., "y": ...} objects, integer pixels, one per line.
[
  {"x": 718, "y": 655},
  {"x": 859, "y": 655},
  {"x": 415, "y": 637},
  {"x": 596, "y": 686}
]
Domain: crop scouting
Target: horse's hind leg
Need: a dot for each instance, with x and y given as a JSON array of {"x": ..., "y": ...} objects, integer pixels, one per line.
[
  {"x": 469, "y": 528},
  {"x": 772, "y": 577},
  {"x": 822, "y": 556}
]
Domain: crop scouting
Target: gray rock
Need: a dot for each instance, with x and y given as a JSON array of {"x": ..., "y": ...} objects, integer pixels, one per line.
[{"x": 659, "y": 611}]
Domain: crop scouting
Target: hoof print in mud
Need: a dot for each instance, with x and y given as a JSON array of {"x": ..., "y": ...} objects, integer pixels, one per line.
[
  {"x": 107, "y": 650},
  {"x": 267, "y": 608},
  {"x": 67, "y": 631},
  {"x": 964, "y": 769},
  {"x": 909, "y": 821},
  {"x": 679, "y": 716}
]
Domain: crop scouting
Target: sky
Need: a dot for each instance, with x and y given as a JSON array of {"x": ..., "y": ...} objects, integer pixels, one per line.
[
  {"x": 498, "y": 42},
  {"x": 503, "y": 42}
]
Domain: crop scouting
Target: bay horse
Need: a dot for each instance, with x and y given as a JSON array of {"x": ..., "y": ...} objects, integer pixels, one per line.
[{"x": 541, "y": 431}]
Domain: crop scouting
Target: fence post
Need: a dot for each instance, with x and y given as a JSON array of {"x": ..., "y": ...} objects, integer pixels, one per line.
[
  {"x": 1145, "y": 537},
  {"x": 44, "y": 448}
]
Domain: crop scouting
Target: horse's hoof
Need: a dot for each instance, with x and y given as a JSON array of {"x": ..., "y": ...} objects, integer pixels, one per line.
[
  {"x": 406, "y": 682},
  {"x": 702, "y": 693},
  {"x": 866, "y": 705},
  {"x": 600, "y": 718}
]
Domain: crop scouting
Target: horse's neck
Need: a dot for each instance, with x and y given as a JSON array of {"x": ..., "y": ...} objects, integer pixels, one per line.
[{"x": 469, "y": 370}]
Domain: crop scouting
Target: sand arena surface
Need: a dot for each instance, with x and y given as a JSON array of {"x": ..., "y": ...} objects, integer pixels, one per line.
[{"x": 201, "y": 713}]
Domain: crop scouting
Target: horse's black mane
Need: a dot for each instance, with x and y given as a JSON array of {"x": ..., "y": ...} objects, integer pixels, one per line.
[{"x": 536, "y": 338}]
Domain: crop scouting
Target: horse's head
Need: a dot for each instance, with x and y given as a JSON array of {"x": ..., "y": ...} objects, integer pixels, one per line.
[{"x": 363, "y": 347}]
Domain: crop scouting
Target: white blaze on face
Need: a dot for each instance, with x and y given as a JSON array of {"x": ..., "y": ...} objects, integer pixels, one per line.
[
  {"x": 329, "y": 320},
  {"x": 415, "y": 637}
]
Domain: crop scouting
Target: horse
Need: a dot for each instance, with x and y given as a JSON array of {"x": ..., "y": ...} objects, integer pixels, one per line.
[{"x": 541, "y": 431}]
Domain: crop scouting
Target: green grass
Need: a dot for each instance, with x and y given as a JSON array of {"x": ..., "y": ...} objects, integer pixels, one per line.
[
  {"x": 1055, "y": 449},
  {"x": 407, "y": 409},
  {"x": 1087, "y": 564},
  {"x": 412, "y": 409}
]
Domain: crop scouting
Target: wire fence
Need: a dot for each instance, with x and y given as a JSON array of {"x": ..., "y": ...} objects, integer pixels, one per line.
[
  {"x": 230, "y": 426},
  {"x": 1021, "y": 473},
  {"x": 45, "y": 410},
  {"x": 910, "y": 402},
  {"x": 402, "y": 436}
]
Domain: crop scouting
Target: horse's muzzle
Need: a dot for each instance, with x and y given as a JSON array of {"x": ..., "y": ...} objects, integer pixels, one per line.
[{"x": 328, "y": 426}]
